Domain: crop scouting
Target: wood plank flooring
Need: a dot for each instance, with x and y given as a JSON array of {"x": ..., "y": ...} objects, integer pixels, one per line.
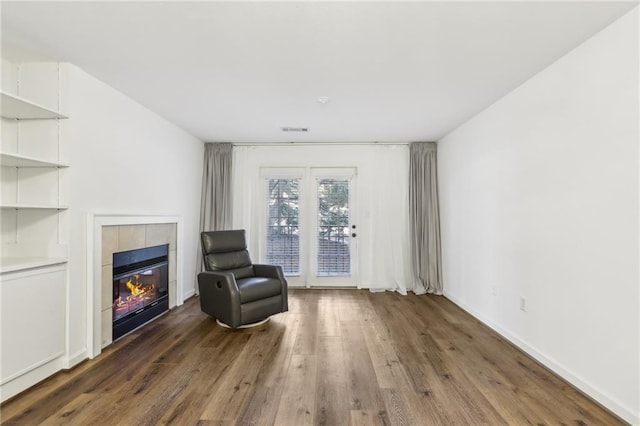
[{"x": 338, "y": 357}]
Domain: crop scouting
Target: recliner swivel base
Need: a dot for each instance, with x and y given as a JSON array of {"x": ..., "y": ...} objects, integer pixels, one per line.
[{"x": 250, "y": 325}]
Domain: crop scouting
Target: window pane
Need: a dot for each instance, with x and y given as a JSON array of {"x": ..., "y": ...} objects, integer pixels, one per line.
[
  {"x": 333, "y": 228},
  {"x": 283, "y": 236}
]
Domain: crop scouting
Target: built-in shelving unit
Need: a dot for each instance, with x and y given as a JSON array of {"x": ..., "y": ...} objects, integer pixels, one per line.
[
  {"x": 15, "y": 160},
  {"x": 34, "y": 206},
  {"x": 16, "y": 108},
  {"x": 34, "y": 227},
  {"x": 23, "y": 263},
  {"x": 32, "y": 168}
]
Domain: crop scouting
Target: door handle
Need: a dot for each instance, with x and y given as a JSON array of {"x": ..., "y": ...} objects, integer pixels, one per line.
[{"x": 353, "y": 235}]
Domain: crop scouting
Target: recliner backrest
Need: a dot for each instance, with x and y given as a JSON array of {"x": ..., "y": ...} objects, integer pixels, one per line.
[{"x": 227, "y": 251}]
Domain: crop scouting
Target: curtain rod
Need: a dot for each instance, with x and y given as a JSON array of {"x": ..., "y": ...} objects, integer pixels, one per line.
[{"x": 315, "y": 143}]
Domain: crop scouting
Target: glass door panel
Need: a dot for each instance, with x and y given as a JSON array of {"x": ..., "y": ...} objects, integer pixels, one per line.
[
  {"x": 283, "y": 225},
  {"x": 333, "y": 256}
]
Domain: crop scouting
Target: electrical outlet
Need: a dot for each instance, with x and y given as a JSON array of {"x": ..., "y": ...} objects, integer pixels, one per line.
[
  {"x": 494, "y": 290},
  {"x": 523, "y": 304}
]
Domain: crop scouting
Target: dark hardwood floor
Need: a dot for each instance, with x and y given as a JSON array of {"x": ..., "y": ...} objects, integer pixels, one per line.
[{"x": 338, "y": 357}]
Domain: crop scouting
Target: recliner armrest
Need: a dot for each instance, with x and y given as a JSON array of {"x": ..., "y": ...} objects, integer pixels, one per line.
[
  {"x": 226, "y": 280},
  {"x": 274, "y": 271},
  {"x": 269, "y": 271},
  {"x": 219, "y": 296}
]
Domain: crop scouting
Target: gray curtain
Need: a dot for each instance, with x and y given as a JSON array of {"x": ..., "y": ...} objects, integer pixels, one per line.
[
  {"x": 215, "y": 204},
  {"x": 215, "y": 207},
  {"x": 424, "y": 218}
]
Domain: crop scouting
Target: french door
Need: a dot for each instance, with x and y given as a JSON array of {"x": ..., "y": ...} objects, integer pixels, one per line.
[{"x": 310, "y": 228}]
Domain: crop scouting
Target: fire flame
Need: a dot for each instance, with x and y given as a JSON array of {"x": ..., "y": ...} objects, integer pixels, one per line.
[
  {"x": 137, "y": 288},
  {"x": 140, "y": 294}
]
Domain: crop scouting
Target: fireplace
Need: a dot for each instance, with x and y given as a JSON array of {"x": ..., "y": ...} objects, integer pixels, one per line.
[{"x": 140, "y": 287}]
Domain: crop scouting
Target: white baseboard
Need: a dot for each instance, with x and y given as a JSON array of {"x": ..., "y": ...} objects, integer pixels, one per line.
[
  {"x": 25, "y": 381},
  {"x": 71, "y": 361},
  {"x": 189, "y": 294},
  {"x": 592, "y": 391}
]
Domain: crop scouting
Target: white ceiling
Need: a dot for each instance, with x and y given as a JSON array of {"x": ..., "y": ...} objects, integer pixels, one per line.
[{"x": 239, "y": 71}]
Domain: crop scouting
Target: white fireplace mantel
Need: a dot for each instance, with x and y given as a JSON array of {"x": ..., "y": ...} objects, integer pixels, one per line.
[{"x": 95, "y": 223}]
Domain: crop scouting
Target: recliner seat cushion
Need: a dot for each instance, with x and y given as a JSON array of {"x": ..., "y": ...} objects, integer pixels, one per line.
[{"x": 255, "y": 288}]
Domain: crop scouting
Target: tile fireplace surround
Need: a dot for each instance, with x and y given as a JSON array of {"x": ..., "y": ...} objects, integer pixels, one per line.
[{"x": 115, "y": 233}]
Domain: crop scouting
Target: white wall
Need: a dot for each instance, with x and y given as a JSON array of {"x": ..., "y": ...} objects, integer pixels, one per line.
[
  {"x": 539, "y": 199},
  {"x": 124, "y": 159}
]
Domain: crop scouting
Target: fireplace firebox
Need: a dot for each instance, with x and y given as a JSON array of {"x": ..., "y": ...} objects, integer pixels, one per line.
[{"x": 140, "y": 287}]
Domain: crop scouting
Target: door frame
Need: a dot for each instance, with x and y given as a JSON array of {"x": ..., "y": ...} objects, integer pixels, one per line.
[
  {"x": 307, "y": 198},
  {"x": 315, "y": 174}
]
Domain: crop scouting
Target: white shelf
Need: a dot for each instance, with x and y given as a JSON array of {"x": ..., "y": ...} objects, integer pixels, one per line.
[
  {"x": 8, "y": 264},
  {"x": 15, "y": 107},
  {"x": 33, "y": 207},
  {"x": 15, "y": 160}
]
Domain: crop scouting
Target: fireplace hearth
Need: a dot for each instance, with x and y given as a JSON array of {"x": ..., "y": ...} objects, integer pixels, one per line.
[{"x": 140, "y": 287}]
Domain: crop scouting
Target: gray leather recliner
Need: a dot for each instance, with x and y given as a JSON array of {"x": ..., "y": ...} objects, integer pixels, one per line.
[{"x": 232, "y": 289}]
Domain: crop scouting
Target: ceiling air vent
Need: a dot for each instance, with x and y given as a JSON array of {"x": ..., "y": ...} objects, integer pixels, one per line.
[{"x": 294, "y": 129}]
